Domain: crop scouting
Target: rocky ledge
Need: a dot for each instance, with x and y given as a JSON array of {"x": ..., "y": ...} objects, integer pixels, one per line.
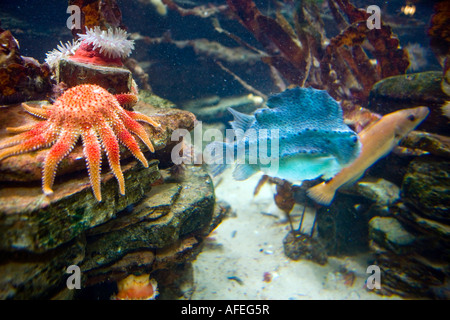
[
  {"x": 156, "y": 228},
  {"x": 158, "y": 235}
]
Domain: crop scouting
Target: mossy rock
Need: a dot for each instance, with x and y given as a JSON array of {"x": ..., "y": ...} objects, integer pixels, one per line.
[
  {"x": 420, "y": 87},
  {"x": 426, "y": 188},
  {"x": 167, "y": 213},
  {"x": 150, "y": 98},
  {"x": 32, "y": 221}
]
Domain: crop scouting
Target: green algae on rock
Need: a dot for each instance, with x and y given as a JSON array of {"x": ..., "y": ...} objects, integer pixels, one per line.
[
  {"x": 148, "y": 97},
  {"x": 418, "y": 87}
]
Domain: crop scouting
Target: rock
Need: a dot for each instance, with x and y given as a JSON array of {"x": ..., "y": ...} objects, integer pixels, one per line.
[
  {"x": 411, "y": 90},
  {"x": 432, "y": 237},
  {"x": 177, "y": 283},
  {"x": 170, "y": 120},
  {"x": 380, "y": 191},
  {"x": 301, "y": 246},
  {"x": 29, "y": 220},
  {"x": 410, "y": 276},
  {"x": 160, "y": 234},
  {"x": 26, "y": 275},
  {"x": 425, "y": 226},
  {"x": 433, "y": 143},
  {"x": 389, "y": 234},
  {"x": 21, "y": 78},
  {"x": 397, "y": 242},
  {"x": 162, "y": 231},
  {"x": 423, "y": 87},
  {"x": 426, "y": 188},
  {"x": 343, "y": 226},
  {"x": 114, "y": 79},
  {"x": 166, "y": 213},
  {"x": 408, "y": 237},
  {"x": 150, "y": 98}
]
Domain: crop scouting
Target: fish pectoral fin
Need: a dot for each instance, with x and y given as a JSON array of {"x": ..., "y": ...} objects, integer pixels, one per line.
[
  {"x": 241, "y": 122},
  {"x": 244, "y": 171}
]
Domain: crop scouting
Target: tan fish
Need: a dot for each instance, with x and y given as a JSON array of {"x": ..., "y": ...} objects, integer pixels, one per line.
[{"x": 377, "y": 141}]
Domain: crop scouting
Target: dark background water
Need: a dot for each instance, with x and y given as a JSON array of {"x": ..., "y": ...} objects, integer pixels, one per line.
[{"x": 181, "y": 74}]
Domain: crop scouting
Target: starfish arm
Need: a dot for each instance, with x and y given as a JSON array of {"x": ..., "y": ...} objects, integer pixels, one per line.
[
  {"x": 126, "y": 99},
  {"x": 31, "y": 144},
  {"x": 128, "y": 141},
  {"x": 136, "y": 128},
  {"x": 63, "y": 146},
  {"x": 23, "y": 128},
  {"x": 38, "y": 112},
  {"x": 142, "y": 117},
  {"x": 111, "y": 146},
  {"x": 36, "y": 130},
  {"x": 92, "y": 151}
]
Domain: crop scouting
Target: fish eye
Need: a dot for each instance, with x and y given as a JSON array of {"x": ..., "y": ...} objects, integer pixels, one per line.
[
  {"x": 354, "y": 139},
  {"x": 411, "y": 117}
]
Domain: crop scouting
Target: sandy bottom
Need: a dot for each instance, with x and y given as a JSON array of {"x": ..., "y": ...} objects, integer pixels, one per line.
[{"x": 244, "y": 257}]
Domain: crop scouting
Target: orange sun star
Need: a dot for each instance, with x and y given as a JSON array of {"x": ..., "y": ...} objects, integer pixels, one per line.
[{"x": 94, "y": 114}]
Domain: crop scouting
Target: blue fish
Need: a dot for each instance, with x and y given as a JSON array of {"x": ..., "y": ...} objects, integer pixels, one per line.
[{"x": 300, "y": 135}]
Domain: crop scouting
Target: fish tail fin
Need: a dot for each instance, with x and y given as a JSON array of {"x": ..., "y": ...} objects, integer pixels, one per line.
[
  {"x": 217, "y": 156},
  {"x": 321, "y": 193}
]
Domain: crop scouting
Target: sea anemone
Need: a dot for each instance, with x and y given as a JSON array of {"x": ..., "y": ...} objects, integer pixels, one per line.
[
  {"x": 99, "y": 47},
  {"x": 137, "y": 288},
  {"x": 63, "y": 50},
  {"x": 103, "y": 48},
  {"x": 112, "y": 43}
]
